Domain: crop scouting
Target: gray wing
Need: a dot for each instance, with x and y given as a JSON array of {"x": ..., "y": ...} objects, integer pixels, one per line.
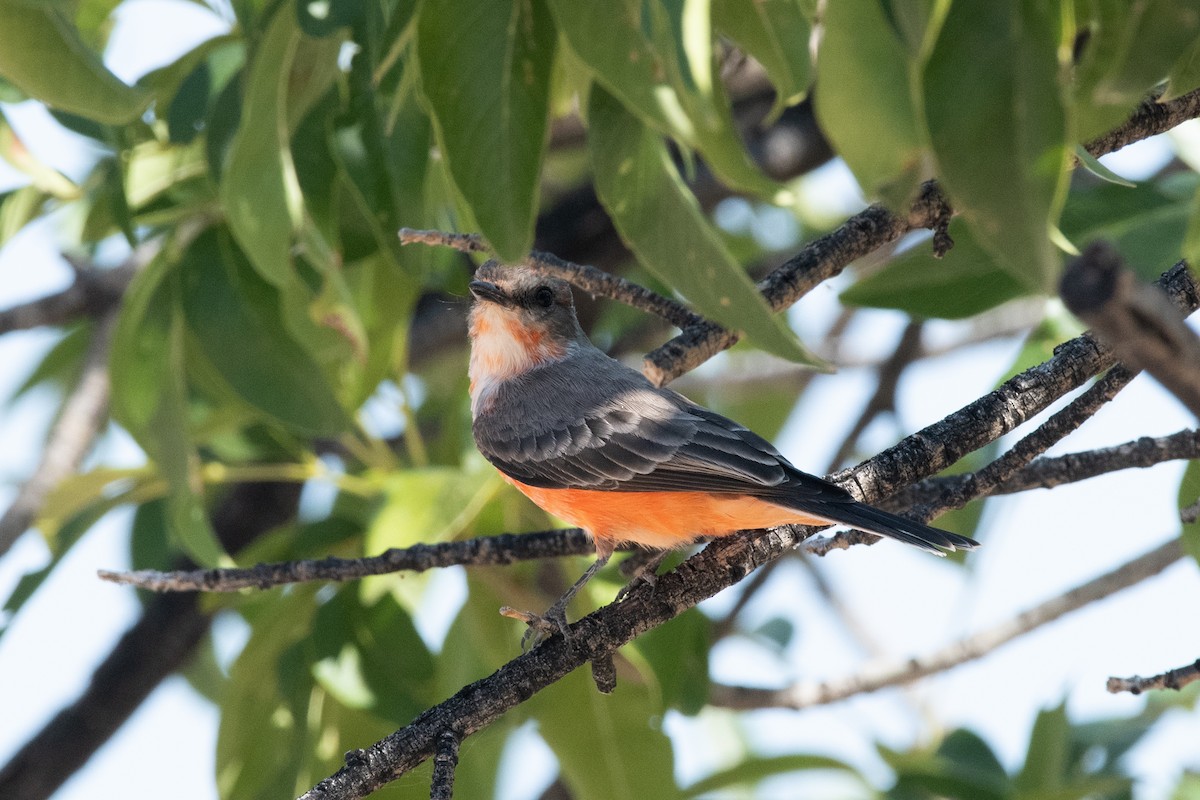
[{"x": 552, "y": 428}]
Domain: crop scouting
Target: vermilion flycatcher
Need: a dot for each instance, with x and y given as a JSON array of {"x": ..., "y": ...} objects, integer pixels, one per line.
[{"x": 594, "y": 443}]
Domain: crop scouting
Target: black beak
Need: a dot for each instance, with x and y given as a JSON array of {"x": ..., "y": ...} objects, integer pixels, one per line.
[{"x": 486, "y": 290}]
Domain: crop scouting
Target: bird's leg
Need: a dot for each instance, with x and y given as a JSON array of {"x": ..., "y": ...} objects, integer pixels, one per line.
[{"x": 555, "y": 618}]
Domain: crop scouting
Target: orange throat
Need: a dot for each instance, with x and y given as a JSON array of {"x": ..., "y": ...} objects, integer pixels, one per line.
[{"x": 502, "y": 348}]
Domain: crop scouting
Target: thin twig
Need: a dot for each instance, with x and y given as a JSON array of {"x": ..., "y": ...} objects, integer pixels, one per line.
[
  {"x": 83, "y": 416},
  {"x": 1048, "y": 472},
  {"x": 591, "y": 280},
  {"x": 482, "y": 551},
  {"x": 908, "y": 350},
  {"x": 1171, "y": 679},
  {"x": 445, "y": 760},
  {"x": 897, "y": 673},
  {"x": 984, "y": 482}
]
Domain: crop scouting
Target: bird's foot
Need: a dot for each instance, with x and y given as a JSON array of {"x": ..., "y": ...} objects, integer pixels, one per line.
[{"x": 540, "y": 627}]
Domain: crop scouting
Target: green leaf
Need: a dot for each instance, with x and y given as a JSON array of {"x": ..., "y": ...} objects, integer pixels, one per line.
[
  {"x": 43, "y": 176},
  {"x": 776, "y": 33},
  {"x": 605, "y": 745},
  {"x": 18, "y": 208},
  {"x": 1185, "y": 77},
  {"x": 997, "y": 124},
  {"x": 1047, "y": 757},
  {"x": 77, "y": 81},
  {"x": 964, "y": 282},
  {"x": 1189, "y": 494},
  {"x": 485, "y": 69},
  {"x": 1097, "y": 168},
  {"x": 235, "y": 317},
  {"x": 371, "y": 657},
  {"x": 1147, "y": 223},
  {"x": 656, "y": 59},
  {"x": 1188, "y": 787},
  {"x": 1130, "y": 48},
  {"x": 259, "y": 190},
  {"x": 863, "y": 89},
  {"x": 662, "y": 223},
  {"x": 752, "y": 770}
]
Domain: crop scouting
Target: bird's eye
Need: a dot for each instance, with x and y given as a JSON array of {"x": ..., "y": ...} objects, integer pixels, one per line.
[{"x": 543, "y": 296}]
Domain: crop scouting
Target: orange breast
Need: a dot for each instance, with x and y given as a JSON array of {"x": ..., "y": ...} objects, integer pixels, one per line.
[{"x": 660, "y": 519}]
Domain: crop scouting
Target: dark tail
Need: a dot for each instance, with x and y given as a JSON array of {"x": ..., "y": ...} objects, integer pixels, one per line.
[{"x": 884, "y": 523}]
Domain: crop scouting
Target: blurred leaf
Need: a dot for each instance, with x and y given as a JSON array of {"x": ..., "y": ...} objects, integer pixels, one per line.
[
  {"x": 325, "y": 17},
  {"x": 997, "y": 123},
  {"x": 662, "y": 223},
  {"x": 863, "y": 76},
  {"x": 263, "y": 202},
  {"x": 44, "y": 177},
  {"x": 605, "y": 745},
  {"x": 18, "y": 208},
  {"x": 1146, "y": 223},
  {"x": 234, "y": 315},
  {"x": 186, "y": 87},
  {"x": 78, "y": 81},
  {"x": 485, "y": 69},
  {"x": 963, "y": 768},
  {"x": 678, "y": 655},
  {"x": 777, "y": 632},
  {"x": 964, "y": 282},
  {"x": 61, "y": 366},
  {"x": 371, "y": 657},
  {"x": 1189, "y": 495},
  {"x": 1188, "y": 787},
  {"x": 1047, "y": 757},
  {"x": 775, "y": 33},
  {"x": 154, "y": 168},
  {"x": 429, "y": 505},
  {"x": 756, "y": 768},
  {"x": 1130, "y": 48},
  {"x": 1190, "y": 249},
  {"x": 1185, "y": 77},
  {"x": 656, "y": 60}
]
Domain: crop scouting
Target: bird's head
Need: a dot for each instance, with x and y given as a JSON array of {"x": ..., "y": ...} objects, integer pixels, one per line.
[{"x": 519, "y": 319}]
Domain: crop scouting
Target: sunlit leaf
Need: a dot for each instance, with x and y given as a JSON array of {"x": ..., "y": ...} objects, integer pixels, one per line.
[
  {"x": 78, "y": 81},
  {"x": 863, "y": 71},
  {"x": 755, "y": 768},
  {"x": 997, "y": 123},
  {"x": 485, "y": 68},
  {"x": 263, "y": 202}
]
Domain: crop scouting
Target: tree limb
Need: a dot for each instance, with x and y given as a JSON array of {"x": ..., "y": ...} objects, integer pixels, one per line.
[
  {"x": 1171, "y": 679},
  {"x": 83, "y": 416},
  {"x": 897, "y": 673},
  {"x": 1135, "y": 319}
]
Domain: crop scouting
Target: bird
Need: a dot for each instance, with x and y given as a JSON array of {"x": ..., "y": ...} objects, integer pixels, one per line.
[{"x": 596, "y": 444}]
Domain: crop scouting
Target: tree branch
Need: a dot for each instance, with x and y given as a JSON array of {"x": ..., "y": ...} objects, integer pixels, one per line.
[
  {"x": 445, "y": 760},
  {"x": 1046, "y": 473},
  {"x": 482, "y": 551},
  {"x": 897, "y": 673},
  {"x": 158, "y": 644},
  {"x": 1171, "y": 679},
  {"x": 83, "y": 416},
  {"x": 591, "y": 280}
]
